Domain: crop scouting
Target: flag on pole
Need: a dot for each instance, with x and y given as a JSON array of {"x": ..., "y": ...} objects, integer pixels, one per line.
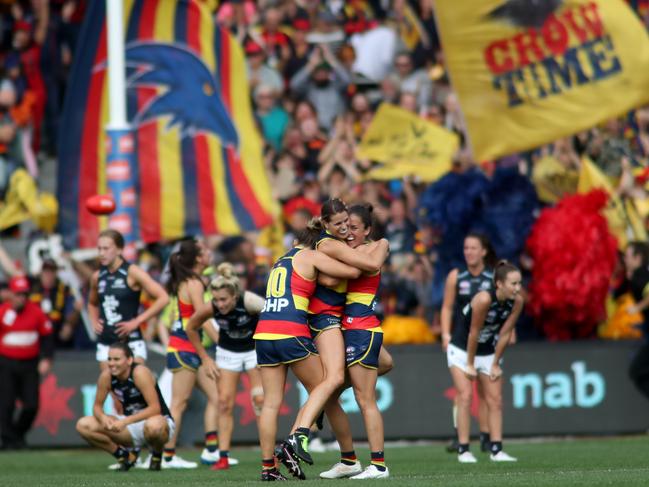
[{"x": 199, "y": 153}]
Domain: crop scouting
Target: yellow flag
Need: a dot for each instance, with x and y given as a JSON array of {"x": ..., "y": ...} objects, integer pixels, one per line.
[
  {"x": 528, "y": 73},
  {"x": 553, "y": 180},
  {"x": 623, "y": 219},
  {"x": 407, "y": 145}
]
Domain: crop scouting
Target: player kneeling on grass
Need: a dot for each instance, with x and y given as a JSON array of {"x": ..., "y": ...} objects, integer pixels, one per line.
[{"x": 147, "y": 419}]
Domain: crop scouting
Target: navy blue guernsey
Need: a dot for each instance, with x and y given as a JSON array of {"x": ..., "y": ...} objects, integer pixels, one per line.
[
  {"x": 131, "y": 397},
  {"x": 117, "y": 303},
  {"x": 236, "y": 327},
  {"x": 468, "y": 285},
  {"x": 497, "y": 314}
]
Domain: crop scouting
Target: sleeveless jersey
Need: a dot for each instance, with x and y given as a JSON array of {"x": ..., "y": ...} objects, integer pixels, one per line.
[
  {"x": 361, "y": 302},
  {"x": 130, "y": 396},
  {"x": 328, "y": 300},
  {"x": 497, "y": 314},
  {"x": 117, "y": 303},
  {"x": 236, "y": 328},
  {"x": 287, "y": 302},
  {"x": 178, "y": 340},
  {"x": 468, "y": 285}
]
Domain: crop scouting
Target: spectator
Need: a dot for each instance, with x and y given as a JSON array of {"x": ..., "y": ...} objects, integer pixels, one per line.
[
  {"x": 56, "y": 301},
  {"x": 413, "y": 81},
  {"x": 276, "y": 41},
  {"x": 400, "y": 231},
  {"x": 259, "y": 73},
  {"x": 274, "y": 119},
  {"x": 636, "y": 260},
  {"x": 322, "y": 82},
  {"x": 26, "y": 350},
  {"x": 27, "y": 42},
  {"x": 375, "y": 50},
  {"x": 300, "y": 48}
]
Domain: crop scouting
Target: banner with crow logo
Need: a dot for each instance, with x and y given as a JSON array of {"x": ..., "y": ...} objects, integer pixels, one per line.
[
  {"x": 530, "y": 71},
  {"x": 199, "y": 154}
]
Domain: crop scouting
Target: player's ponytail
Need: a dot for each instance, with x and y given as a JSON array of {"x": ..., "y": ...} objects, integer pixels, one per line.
[{"x": 181, "y": 265}]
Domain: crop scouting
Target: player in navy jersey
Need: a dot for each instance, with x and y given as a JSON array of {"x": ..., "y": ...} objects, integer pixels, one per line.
[
  {"x": 114, "y": 303},
  {"x": 461, "y": 285},
  {"x": 235, "y": 313},
  {"x": 475, "y": 351},
  {"x": 146, "y": 418}
]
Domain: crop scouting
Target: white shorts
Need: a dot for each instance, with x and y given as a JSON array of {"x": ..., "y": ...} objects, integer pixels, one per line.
[
  {"x": 456, "y": 357},
  {"x": 235, "y": 361},
  {"x": 137, "y": 431},
  {"x": 138, "y": 347}
]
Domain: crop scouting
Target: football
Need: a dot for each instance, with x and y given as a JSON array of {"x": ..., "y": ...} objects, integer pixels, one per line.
[{"x": 100, "y": 204}]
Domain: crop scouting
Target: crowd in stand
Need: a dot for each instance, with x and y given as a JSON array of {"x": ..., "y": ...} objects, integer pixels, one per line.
[{"x": 317, "y": 73}]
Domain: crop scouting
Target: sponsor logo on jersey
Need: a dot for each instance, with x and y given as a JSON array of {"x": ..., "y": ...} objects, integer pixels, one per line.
[
  {"x": 485, "y": 285},
  {"x": 465, "y": 287},
  {"x": 119, "y": 283}
]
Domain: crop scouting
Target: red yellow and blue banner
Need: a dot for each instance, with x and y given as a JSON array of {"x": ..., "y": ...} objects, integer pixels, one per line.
[
  {"x": 529, "y": 72},
  {"x": 199, "y": 154}
]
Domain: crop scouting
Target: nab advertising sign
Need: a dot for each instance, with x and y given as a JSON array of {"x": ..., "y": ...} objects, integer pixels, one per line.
[{"x": 548, "y": 389}]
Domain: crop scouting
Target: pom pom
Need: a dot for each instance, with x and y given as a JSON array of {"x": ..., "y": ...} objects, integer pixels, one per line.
[{"x": 574, "y": 257}]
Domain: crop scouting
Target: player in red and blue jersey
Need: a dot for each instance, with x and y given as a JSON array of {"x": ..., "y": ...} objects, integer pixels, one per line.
[
  {"x": 325, "y": 312},
  {"x": 363, "y": 339},
  {"x": 283, "y": 340},
  {"x": 185, "y": 284}
]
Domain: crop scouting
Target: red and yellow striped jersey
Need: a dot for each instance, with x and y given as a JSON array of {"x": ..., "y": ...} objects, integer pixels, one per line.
[
  {"x": 328, "y": 300},
  {"x": 360, "y": 303},
  {"x": 287, "y": 302},
  {"x": 178, "y": 340}
]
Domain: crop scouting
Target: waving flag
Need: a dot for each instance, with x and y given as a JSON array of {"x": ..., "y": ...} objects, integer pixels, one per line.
[
  {"x": 199, "y": 155},
  {"x": 529, "y": 72}
]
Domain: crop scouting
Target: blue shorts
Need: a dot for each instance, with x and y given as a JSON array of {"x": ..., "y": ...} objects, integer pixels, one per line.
[
  {"x": 183, "y": 360},
  {"x": 362, "y": 347},
  {"x": 283, "y": 351},
  {"x": 320, "y": 323}
]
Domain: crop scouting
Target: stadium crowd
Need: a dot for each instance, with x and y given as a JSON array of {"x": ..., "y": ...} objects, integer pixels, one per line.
[{"x": 318, "y": 72}]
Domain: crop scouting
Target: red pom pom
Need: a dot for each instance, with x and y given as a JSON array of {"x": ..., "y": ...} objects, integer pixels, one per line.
[
  {"x": 574, "y": 257},
  {"x": 100, "y": 204}
]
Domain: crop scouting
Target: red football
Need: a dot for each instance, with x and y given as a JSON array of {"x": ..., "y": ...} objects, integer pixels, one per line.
[{"x": 100, "y": 204}]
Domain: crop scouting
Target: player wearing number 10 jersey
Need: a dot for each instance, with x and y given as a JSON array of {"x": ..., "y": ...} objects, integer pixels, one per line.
[{"x": 283, "y": 339}]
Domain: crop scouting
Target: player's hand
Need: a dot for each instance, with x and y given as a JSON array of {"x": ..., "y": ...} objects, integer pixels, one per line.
[
  {"x": 107, "y": 422},
  {"x": 495, "y": 373},
  {"x": 118, "y": 426},
  {"x": 470, "y": 372},
  {"x": 211, "y": 370},
  {"x": 125, "y": 328},
  {"x": 98, "y": 326},
  {"x": 44, "y": 366},
  {"x": 446, "y": 339}
]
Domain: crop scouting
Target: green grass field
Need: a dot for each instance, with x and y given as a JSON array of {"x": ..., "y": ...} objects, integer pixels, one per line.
[{"x": 591, "y": 462}]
